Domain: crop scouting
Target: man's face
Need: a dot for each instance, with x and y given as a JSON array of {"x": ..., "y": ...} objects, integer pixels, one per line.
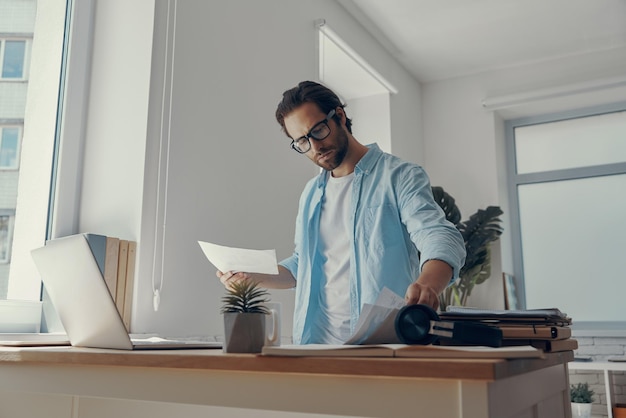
[{"x": 327, "y": 153}]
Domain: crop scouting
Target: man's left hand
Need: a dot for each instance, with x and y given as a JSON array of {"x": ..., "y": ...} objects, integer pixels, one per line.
[
  {"x": 422, "y": 294},
  {"x": 435, "y": 276}
]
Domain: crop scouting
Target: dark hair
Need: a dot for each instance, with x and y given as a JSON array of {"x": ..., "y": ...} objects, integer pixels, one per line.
[{"x": 309, "y": 92}]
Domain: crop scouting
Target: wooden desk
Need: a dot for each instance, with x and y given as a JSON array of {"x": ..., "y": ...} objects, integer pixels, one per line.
[{"x": 364, "y": 387}]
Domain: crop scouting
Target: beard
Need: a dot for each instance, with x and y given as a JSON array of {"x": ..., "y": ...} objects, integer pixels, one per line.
[{"x": 338, "y": 152}]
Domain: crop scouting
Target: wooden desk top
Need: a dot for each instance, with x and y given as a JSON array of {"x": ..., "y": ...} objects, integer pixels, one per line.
[{"x": 216, "y": 360}]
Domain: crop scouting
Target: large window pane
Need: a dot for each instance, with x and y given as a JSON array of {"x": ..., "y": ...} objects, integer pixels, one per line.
[
  {"x": 572, "y": 143},
  {"x": 30, "y": 75},
  {"x": 567, "y": 178},
  {"x": 573, "y": 244}
]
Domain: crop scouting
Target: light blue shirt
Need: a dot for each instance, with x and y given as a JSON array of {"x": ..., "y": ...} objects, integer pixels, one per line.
[{"x": 393, "y": 215}]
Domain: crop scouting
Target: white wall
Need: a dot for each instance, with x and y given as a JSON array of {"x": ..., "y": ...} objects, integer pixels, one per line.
[
  {"x": 372, "y": 121},
  {"x": 464, "y": 143},
  {"x": 233, "y": 179},
  {"x": 113, "y": 164}
]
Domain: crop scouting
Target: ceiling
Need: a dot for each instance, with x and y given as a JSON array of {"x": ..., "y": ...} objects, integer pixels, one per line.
[{"x": 442, "y": 39}]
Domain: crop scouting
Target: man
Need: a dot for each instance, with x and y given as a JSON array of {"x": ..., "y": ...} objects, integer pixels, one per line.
[{"x": 366, "y": 222}]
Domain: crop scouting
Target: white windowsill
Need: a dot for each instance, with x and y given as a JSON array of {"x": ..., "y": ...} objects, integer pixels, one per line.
[{"x": 20, "y": 316}]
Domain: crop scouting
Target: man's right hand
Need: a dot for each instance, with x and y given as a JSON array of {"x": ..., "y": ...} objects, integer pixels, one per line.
[
  {"x": 231, "y": 277},
  {"x": 282, "y": 280}
]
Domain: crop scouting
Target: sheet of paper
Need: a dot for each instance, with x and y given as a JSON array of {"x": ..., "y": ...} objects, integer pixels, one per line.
[
  {"x": 389, "y": 299},
  {"x": 239, "y": 259},
  {"x": 376, "y": 323},
  {"x": 377, "y": 326}
]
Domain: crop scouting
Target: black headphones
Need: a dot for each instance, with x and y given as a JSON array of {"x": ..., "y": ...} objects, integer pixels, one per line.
[{"x": 420, "y": 324}]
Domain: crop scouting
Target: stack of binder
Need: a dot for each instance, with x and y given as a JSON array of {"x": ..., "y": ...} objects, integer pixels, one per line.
[{"x": 545, "y": 329}]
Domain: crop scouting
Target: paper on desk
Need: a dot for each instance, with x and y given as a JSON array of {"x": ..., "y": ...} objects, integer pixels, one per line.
[{"x": 239, "y": 259}]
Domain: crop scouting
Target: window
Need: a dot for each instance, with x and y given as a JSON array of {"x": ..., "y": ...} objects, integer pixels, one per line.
[
  {"x": 9, "y": 146},
  {"x": 6, "y": 230},
  {"x": 32, "y": 51},
  {"x": 567, "y": 177},
  {"x": 12, "y": 59},
  {"x": 17, "y": 26},
  {"x": 360, "y": 86}
]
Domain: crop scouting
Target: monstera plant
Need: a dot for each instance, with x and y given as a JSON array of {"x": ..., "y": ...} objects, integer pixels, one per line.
[{"x": 479, "y": 231}]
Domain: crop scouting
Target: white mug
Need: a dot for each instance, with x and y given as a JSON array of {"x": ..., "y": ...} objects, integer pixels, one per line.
[{"x": 272, "y": 324}]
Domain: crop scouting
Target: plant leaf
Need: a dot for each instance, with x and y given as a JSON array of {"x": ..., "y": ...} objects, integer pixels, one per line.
[
  {"x": 447, "y": 203},
  {"x": 479, "y": 231},
  {"x": 245, "y": 296}
]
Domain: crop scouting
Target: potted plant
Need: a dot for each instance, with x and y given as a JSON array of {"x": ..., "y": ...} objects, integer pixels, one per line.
[
  {"x": 244, "y": 317},
  {"x": 581, "y": 397},
  {"x": 479, "y": 231}
]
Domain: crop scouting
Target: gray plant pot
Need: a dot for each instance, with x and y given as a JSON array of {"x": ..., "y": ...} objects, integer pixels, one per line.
[{"x": 244, "y": 332}]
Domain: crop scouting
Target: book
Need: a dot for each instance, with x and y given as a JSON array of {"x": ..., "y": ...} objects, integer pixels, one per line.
[
  {"x": 548, "y": 346},
  {"x": 130, "y": 283},
  {"x": 116, "y": 261},
  {"x": 122, "y": 261},
  {"x": 104, "y": 250},
  {"x": 110, "y": 264},
  {"x": 549, "y": 316},
  {"x": 533, "y": 331},
  {"x": 551, "y": 346},
  {"x": 403, "y": 350},
  {"x": 98, "y": 246}
]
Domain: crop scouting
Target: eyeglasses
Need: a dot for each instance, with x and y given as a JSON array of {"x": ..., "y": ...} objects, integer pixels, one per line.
[{"x": 318, "y": 132}]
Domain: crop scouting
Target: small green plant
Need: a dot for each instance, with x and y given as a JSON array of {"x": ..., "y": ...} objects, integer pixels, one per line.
[
  {"x": 245, "y": 296},
  {"x": 580, "y": 393}
]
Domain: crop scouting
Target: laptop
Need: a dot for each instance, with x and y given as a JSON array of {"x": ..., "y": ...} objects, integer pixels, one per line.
[{"x": 82, "y": 300}]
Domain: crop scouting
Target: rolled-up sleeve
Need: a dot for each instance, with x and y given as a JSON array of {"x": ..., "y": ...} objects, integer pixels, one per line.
[
  {"x": 291, "y": 264},
  {"x": 433, "y": 235}
]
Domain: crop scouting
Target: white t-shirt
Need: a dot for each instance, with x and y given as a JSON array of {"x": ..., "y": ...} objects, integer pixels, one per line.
[{"x": 334, "y": 318}]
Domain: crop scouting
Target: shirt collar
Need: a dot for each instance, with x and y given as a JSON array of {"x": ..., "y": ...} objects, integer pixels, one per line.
[
  {"x": 368, "y": 161},
  {"x": 364, "y": 165}
]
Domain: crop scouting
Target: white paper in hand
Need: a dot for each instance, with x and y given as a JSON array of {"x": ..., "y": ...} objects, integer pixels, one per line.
[{"x": 239, "y": 259}]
